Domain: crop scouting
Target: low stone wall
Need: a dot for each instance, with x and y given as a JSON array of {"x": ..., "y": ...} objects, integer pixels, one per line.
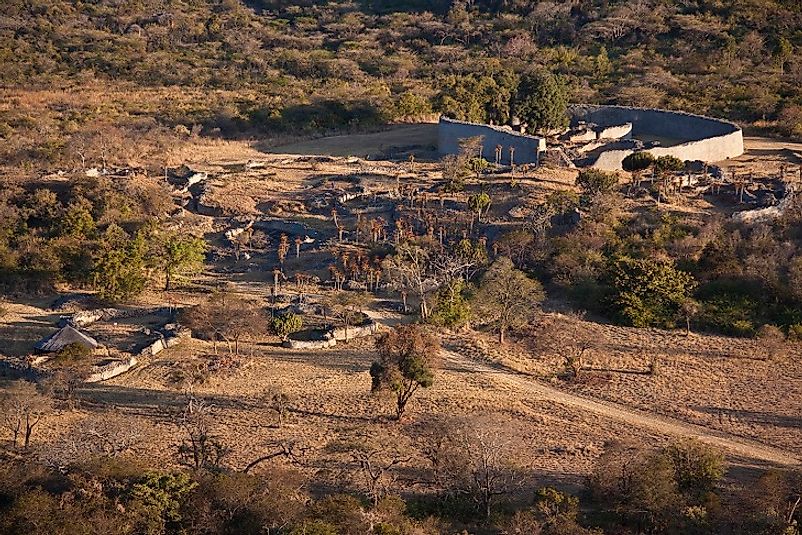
[
  {"x": 694, "y": 137},
  {"x": 527, "y": 148},
  {"x": 359, "y": 331},
  {"x": 332, "y": 336},
  {"x": 157, "y": 346},
  {"x": 309, "y": 344},
  {"x": 621, "y": 131},
  {"x": 112, "y": 369}
]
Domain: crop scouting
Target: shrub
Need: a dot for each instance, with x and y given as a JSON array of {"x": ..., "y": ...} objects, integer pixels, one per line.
[
  {"x": 73, "y": 353},
  {"x": 637, "y": 162},
  {"x": 315, "y": 527},
  {"x": 743, "y": 328},
  {"x": 795, "y": 332},
  {"x": 286, "y": 324},
  {"x": 410, "y": 105},
  {"x": 697, "y": 467},
  {"x": 593, "y": 181}
]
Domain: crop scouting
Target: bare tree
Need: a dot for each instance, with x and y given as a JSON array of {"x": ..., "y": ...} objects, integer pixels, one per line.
[
  {"x": 291, "y": 450},
  {"x": 346, "y": 307},
  {"x": 377, "y": 471},
  {"x": 279, "y": 401},
  {"x": 478, "y": 463},
  {"x": 23, "y": 408},
  {"x": 565, "y": 336},
  {"x": 201, "y": 447},
  {"x": 409, "y": 270},
  {"x": 227, "y": 316}
]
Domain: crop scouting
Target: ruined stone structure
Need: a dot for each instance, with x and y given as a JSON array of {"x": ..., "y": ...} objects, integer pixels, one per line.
[
  {"x": 687, "y": 136},
  {"x": 602, "y": 136},
  {"x": 526, "y": 148}
]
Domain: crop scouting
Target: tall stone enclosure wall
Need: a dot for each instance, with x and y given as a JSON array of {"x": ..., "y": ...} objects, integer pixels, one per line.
[
  {"x": 527, "y": 148},
  {"x": 696, "y": 137}
]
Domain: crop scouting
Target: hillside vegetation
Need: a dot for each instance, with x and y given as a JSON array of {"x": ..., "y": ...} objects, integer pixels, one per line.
[{"x": 314, "y": 66}]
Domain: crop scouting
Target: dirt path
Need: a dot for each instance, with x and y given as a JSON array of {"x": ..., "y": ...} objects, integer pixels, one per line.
[{"x": 519, "y": 381}]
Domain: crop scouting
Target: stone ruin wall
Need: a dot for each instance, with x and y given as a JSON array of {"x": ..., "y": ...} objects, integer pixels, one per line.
[
  {"x": 699, "y": 138},
  {"x": 527, "y": 148}
]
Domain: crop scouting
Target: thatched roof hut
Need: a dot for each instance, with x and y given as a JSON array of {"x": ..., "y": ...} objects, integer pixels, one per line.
[{"x": 63, "y": 337}]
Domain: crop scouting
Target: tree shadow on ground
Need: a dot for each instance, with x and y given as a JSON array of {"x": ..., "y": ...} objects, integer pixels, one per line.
[
  {"x": 752, "y": 417},
  {"x": 393, "y": 142}
]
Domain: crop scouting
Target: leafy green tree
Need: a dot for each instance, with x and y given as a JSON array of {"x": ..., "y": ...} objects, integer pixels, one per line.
[
  {"x": 649, "y": 292},
  {"x": 601, "y": 64},
  {"x": 177, "y": 255},
  {"x": 507, "y": 298},
  {"x": 410, "y": 105},
  {"x": 286, "y": 324},
  {"x": 542, "y": 101},
  {"x": 408, "y": 356},
  {"x": 637, "y": 162},
  {"x": 479, "y": 204},
  {"x": 477, "y": 166},
  {"x": 479, "y": 98},
  {"x": 668, "y": 164},
  {"x": 451, "y": 307},
  {"x": 119, "y": 265},
  {"x": 783, "y": 52},
  {"x": 556, "y": 508},
  {"x": 639, "y": 486},
  {"x": 78, "y": 221}
]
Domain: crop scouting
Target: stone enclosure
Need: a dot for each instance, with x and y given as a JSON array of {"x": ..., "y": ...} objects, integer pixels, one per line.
[
  {"x": 602, "y": 136},
  {"x": 687, "y": 136}
]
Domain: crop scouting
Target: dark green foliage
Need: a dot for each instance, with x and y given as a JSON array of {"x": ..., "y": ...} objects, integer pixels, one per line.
[
  {"x": 162, "y": 495},
  {"x": 541, "y": 101},
  {"x": 451, "y": 307},
  {"x": 649, "y": 293},
  {"x": 638, "y": 161},
  {"x": 285, "y": 324},
  {"x": 668, "y": 164},
  {"x": 698, "y": 468},
  {"x": 73, "y": 353},
  {"x": 119, "y": 265},
  {"x": 176, "y": 255},
  {"x": 479, "y": 204},
  {"x": 477, "y": 98}
]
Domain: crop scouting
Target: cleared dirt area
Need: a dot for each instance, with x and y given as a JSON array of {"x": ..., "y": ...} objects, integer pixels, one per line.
[{"x": 421, "y": 137}]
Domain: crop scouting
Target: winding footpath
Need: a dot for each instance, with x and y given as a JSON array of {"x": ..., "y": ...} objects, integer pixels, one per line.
[{"x": 738, "y": 446}]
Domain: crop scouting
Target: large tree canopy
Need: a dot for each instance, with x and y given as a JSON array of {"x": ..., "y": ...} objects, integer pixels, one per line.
[{"x": 542, "y": 101}]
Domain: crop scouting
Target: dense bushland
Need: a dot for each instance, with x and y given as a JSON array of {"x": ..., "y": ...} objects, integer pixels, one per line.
[
  {"x": 307, "y": 67},
  {"x": 676, "y": 489}
]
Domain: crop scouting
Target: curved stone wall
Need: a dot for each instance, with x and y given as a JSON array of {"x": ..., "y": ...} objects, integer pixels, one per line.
[
  {"x": 695, "y": 137},
  {"x": 527, "y": 148}
]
